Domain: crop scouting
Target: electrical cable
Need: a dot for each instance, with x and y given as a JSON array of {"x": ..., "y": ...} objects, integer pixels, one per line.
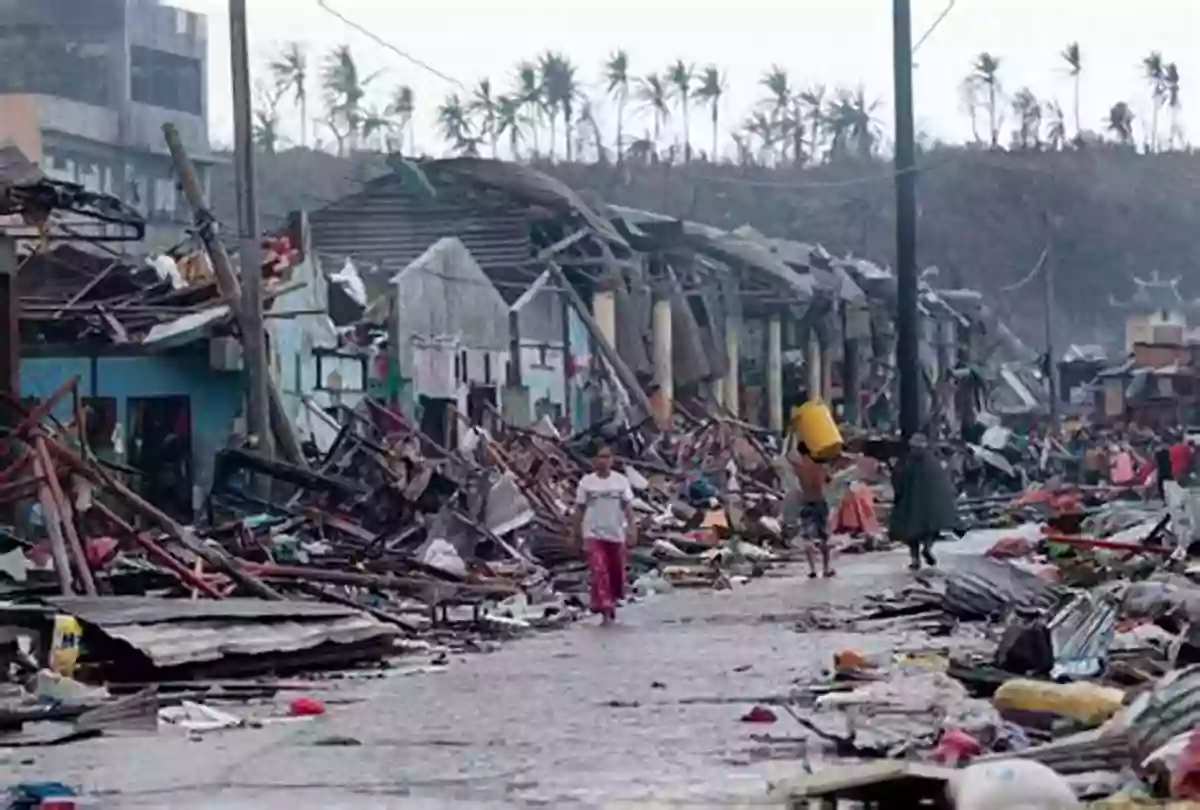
[
  {"x": 945, "y": 13},
  {"x": 323, "y": 5}
]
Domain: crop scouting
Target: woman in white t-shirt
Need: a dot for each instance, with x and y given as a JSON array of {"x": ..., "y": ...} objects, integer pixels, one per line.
[{"x": 604, "y": 522}]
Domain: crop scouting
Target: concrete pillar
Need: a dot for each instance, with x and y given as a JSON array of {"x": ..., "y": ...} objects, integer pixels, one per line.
[
  {"x": 775, "y": 373},
  {"x": 815, "y": 388},
  {"x": 664, "y": 369},
  {"x": 732, "y": 384},
  {"x": 604, "y": 310}
]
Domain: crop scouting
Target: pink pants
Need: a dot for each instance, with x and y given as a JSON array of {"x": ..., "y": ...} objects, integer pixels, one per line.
[{"x": 606, "y": 566}]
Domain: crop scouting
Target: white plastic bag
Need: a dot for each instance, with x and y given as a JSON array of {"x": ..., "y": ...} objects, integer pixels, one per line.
[{"x": 1011, "y": 784}]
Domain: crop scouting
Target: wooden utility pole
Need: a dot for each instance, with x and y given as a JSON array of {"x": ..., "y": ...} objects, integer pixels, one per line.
[
  {"x": 227, "y": 281},
  {"x": 1048, "y": 292},
  {"x": 906, "y": 224},
  {"x": 254, "y": 349}
]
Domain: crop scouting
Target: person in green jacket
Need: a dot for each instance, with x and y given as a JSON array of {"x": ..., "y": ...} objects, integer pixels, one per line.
[{"x": 924, "y": 501}]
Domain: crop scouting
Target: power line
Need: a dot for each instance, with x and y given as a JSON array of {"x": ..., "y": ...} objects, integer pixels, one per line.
[
  {"x": 945, "y": 13},
  {"x": 323, "y": 5}
]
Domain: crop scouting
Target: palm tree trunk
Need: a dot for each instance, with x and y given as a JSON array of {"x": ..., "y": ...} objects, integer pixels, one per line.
[
  {"x": 495, "y": 139},
  {"x": 687, "y": 135},
  {"x": 533, "y": 127},
  {"x": 553, "y": 135},
  {"x": 1078, "y": 120},
  {"x": 512, "y": 145},
  {"x": 304, "y": 122},
  {"x": 620, "y": 129},
  {"x": 992, "y": 115},
  {"x": 1154, "y": 129},
  {"x": 657, "y": 126},
  {"x": 715, "y": 121}
]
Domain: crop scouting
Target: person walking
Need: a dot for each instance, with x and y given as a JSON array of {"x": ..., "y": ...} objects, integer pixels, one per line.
[
  {"x": 604, "y": 522},
  {"x": 813, "y": 509},
  {"x": 924, "y": 502}
]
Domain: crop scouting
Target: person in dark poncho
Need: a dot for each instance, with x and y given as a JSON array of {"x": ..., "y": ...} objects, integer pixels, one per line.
[{"x": 924, "y": 504}]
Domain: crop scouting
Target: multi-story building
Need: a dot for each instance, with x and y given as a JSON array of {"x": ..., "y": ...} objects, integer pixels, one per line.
[{"x": 86, "y": 85}]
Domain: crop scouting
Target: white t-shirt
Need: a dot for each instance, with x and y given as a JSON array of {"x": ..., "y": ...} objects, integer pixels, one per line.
[{"x": 604, "y": 501}]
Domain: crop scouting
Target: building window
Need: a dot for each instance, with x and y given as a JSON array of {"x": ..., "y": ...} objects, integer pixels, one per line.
[
  {"x": 164, "y": 196},
  {"x": 166, "y": 80},
  {"x": 64, "y": 60}
]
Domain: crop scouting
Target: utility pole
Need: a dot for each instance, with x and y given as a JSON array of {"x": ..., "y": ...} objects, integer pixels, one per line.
[
  {"x": 906, "y": 224},
  {"x": 254, "y": 349},
  {"x": 1048, "y": 290}
]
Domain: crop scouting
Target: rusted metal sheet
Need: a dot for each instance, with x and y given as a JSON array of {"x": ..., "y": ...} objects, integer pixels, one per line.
[{"x": 387, "y": 226}]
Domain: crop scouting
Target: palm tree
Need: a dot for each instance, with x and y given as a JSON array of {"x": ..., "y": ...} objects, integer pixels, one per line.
[
  {"x": 1074, "y": 59},
  {"x": 1120, "y": 122},
  {"x": 1155, "y": 72},
  {"x": 985, "y": 74},
  {"x": 864, "y": 129},
  {"x": 836, "y": 122},
  {"x": 680, "y": 76},
  {"x": 401, "y": 108},
  {"x": 454, "y": 121},
  {"x": 568, "y": 92},
  {"x": 290, "y": 71},
  {"x": 616, "y": 76},
  {"x": 814, "y": 100},
  {"x": 1028, "y": 111},
  {"x": 1171, "y": 79},
  {"x": 560, "y": 90},
  {"x": 590, "y": 130},
  {"x": 652, "y": 91},
  {"x": 266, "y": 120},
  {"x": 761, "y": 126},
  {"x": 484, "y": 105},
  {"x": 968, "y": 99},
  {"x": 510, "y": 120},
  {"x": 528, "y": 91},
  {"x": 1056, "y": 127},
  {"x": 710, "y": 92},
  {"x": 375, "y": 121},
  {"x": 779, "y": 101},
  {"x": 345, "y": 90}
]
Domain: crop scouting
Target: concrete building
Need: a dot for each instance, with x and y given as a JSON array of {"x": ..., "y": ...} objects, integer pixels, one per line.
[{"x": 86, "y": 86}]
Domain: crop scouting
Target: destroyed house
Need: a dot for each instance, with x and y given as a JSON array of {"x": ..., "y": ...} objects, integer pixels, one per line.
[
  {"x": 455, "y": 245},
  {"x": 157, "y": 398}
]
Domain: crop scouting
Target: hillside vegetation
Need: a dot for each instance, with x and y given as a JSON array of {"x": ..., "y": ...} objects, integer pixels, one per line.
[{"x": 984, "y": 216}]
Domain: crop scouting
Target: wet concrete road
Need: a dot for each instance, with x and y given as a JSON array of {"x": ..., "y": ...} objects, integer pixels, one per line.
[{"x": 644, "y": 714}]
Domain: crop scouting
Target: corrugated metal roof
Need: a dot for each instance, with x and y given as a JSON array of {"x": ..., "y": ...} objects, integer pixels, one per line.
[
  {"x": 105, "y": 611},
  {"x": 387, "y": 226},
  {"x": 170, "y": 632},
  {"x": 190, "y": 642}
]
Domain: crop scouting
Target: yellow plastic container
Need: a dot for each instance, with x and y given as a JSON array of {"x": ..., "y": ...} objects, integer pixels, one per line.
[
  {"x": 1087, "y": 703},
  {"x": 813, "y": 424},
  {"x": 64, "y": 644}
]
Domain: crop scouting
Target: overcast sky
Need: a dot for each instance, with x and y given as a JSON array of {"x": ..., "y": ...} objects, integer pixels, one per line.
[{"x": 835, "y": 42}]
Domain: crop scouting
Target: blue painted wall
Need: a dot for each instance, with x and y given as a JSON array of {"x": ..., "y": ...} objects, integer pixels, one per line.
[{"x": 215, "y": 396}]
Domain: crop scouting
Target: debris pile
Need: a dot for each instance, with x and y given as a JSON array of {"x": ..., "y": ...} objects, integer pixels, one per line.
[
  {"x": 388, "y": 542},
  {"x": 1066, "y": 658}
]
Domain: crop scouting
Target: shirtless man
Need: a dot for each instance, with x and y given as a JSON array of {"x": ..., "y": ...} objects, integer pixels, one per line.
[{"x": 813, "y": 510}]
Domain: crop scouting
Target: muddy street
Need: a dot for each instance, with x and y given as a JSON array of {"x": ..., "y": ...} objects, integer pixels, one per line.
[{"x": 640, "y": 714}]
